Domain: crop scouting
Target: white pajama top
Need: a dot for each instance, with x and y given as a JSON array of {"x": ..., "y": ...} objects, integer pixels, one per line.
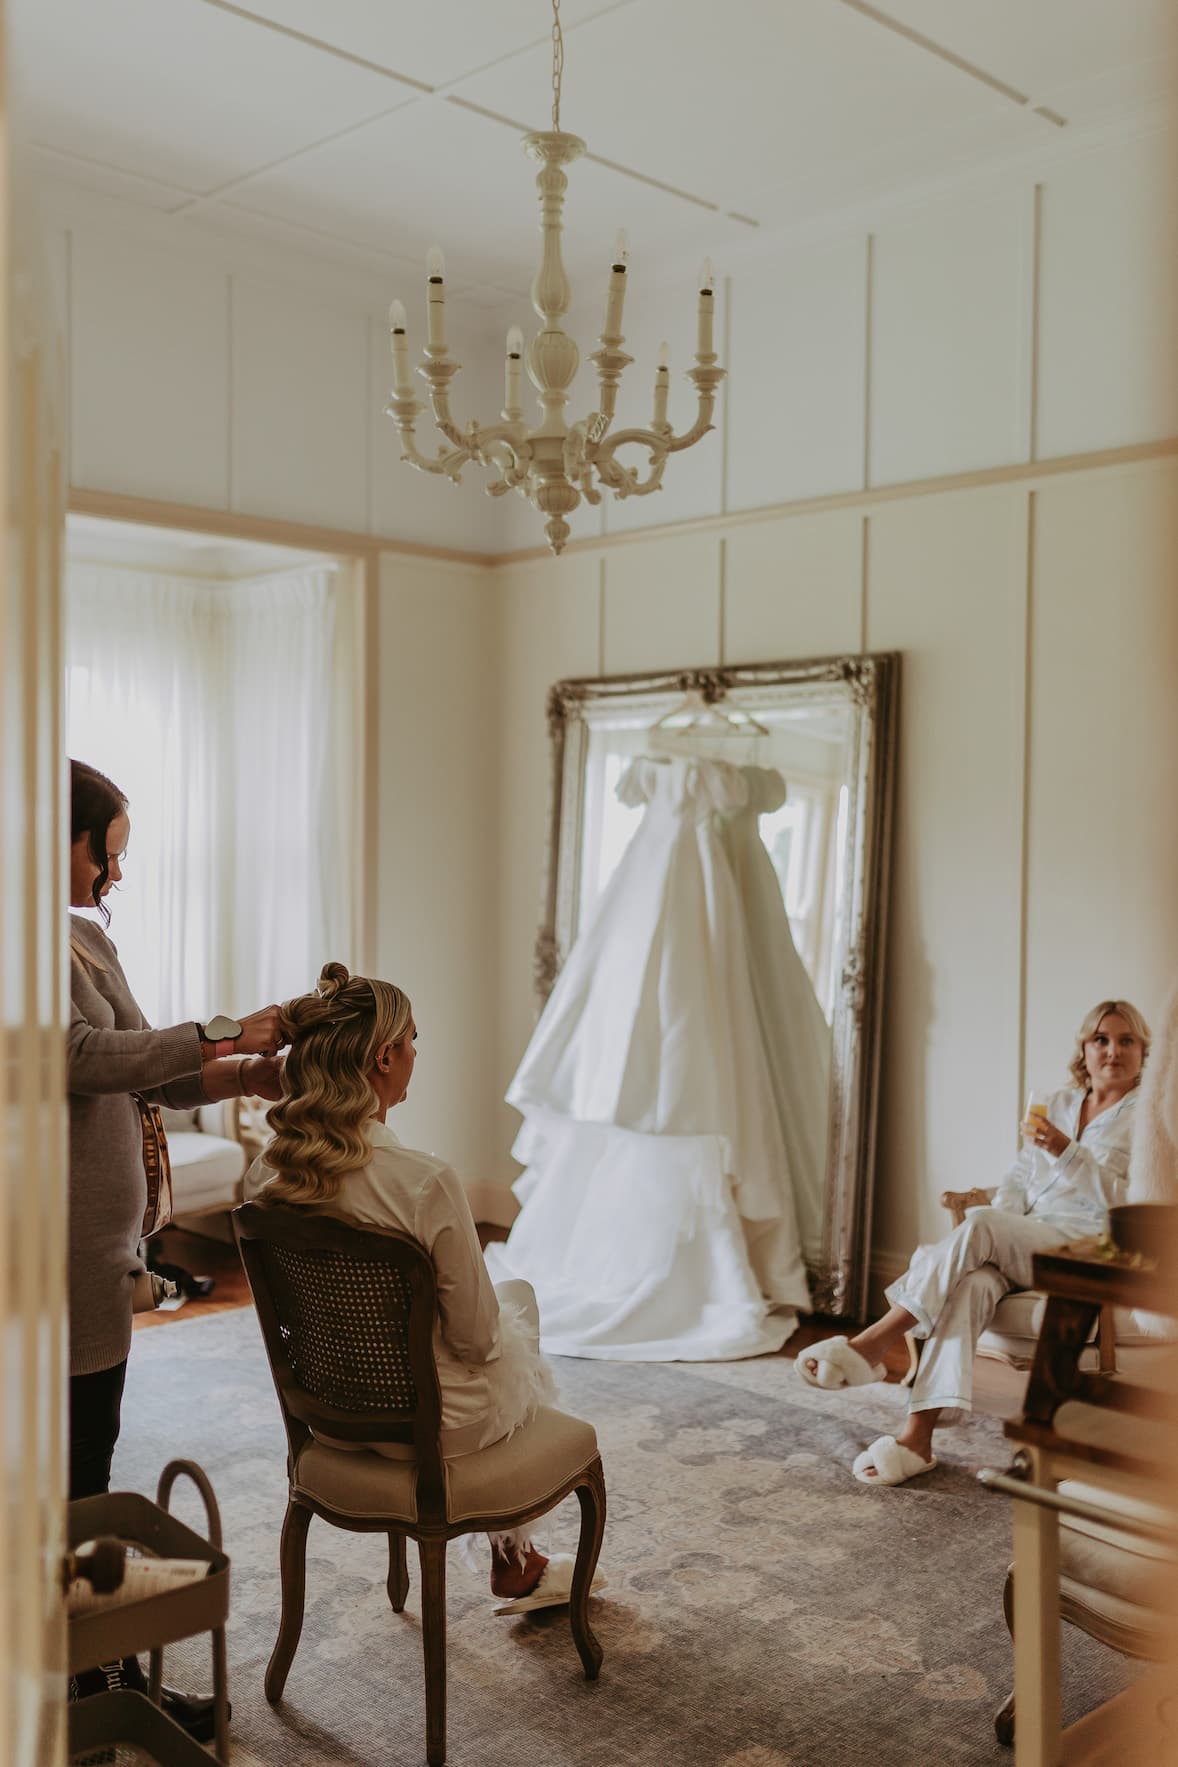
[{"x": 1074, "y": 1190}]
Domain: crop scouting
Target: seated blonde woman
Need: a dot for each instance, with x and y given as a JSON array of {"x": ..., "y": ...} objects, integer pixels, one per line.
[
  {"x": 352, "y": 1050},
  {"x": 1071, "y": 1171}
]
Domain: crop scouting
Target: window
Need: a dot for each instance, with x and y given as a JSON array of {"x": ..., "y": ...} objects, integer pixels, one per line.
[{"x": 223, "y": 710}]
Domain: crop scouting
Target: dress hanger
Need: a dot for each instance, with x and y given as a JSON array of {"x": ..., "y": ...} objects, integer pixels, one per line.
[{"x": 697, "y": 715}]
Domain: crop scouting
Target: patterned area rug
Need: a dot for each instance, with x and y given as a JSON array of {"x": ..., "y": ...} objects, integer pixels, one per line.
[{"x": 764, "y": 1609}]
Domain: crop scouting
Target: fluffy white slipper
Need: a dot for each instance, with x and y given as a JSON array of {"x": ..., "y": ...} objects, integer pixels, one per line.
[
  {"x": 888, "y": 1462},
  {"x": 555, "y": 1586},
  {"x": 837, "y": 1366}
]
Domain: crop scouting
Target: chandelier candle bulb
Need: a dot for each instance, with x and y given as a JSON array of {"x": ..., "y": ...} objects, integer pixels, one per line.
[
  {"x": 615, "y": 295},
  {"x": 436, "y": 299},
  {"x": 512, "y": 367},
  {"x": 402, "y": 385},
  {"x": 662, "y": 384},
  {"x": 707, "y": 308}
]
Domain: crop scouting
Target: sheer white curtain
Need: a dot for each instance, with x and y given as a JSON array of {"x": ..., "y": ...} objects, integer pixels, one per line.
[{"x": 217, "y": 708}]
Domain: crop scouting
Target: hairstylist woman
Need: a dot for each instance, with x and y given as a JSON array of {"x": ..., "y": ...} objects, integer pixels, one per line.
[{"x": 112, "y": 1055}]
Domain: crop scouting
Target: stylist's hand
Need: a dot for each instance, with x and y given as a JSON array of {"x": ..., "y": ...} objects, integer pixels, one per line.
[
  {"x": 261, "y": 1077},
  {"x": 261, "y": 1033},
  {"x": 1040, "y": 1133}
]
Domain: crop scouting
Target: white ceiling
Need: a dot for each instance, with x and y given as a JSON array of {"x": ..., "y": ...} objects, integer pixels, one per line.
[{"x": 363, "y": 130}]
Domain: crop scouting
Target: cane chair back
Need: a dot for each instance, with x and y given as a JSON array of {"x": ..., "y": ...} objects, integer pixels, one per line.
[{"x": 348, "y": 1318}]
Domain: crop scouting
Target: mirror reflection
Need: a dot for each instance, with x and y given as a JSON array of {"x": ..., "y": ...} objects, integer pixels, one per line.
[{"x": 698, "y": 1095}]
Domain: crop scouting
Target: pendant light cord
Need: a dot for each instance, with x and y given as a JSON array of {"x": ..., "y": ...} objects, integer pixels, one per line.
[{"x": 557, "y": 63}]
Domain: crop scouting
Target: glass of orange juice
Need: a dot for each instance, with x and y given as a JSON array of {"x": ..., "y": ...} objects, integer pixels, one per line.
[{"x": 1036, "y": 1105}]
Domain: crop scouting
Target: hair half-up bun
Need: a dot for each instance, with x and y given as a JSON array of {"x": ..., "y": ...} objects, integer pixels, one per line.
[{"x": 320, "y": 1125}]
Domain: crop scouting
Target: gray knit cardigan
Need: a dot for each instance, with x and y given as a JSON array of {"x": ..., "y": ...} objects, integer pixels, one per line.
[{"x": 112, "y": 1052}]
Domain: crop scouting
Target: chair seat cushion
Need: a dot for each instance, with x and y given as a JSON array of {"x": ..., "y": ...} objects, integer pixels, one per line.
[
  {"x": 496, "y": 1483},
  {"x": 206, "y": 1171},
  {"x": 1019, "y": 1316},
  {"x": 1108, "y": 1560}
]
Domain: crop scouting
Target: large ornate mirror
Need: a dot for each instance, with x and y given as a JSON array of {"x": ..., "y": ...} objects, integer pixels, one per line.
[{"x": 827, "y": 727}]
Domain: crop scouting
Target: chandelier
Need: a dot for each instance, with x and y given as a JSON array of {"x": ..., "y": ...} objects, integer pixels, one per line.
[{"x": 553, "y": 465}]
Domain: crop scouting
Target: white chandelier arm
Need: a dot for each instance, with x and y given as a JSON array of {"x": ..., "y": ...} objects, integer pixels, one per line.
[
  {"x": 625, "y": 480},
  {"x": 448, "y": 461},
  {"x": 510, "y": 456},
  {"x": 706, "y": 381},
  {"x": 438, "y": 371},
  {"x": 611, "y": 363}
]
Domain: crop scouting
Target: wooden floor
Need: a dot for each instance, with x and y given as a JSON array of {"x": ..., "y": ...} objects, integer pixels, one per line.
[{"x": 998, "y": 1389}]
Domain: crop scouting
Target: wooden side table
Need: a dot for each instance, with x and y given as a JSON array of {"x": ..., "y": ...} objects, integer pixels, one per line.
[{"x": 1115, "y": 1435}]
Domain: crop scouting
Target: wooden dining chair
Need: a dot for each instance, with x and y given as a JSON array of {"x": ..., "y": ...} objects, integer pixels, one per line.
[{"x": 348, "y": 1321}]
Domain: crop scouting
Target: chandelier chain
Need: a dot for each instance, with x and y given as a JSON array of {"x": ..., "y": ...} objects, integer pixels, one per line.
[{"x": 557, "y": 62}]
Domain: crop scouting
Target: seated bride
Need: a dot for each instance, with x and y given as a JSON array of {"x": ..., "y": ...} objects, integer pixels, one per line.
[{"x": 351, "y": 1058}]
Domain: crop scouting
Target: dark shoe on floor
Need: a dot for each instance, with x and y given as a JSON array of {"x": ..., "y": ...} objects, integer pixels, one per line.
[{"x": 191, "y": 1712}]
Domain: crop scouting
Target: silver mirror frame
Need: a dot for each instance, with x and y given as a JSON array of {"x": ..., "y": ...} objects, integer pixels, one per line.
[{"x": 869, "y": 685}]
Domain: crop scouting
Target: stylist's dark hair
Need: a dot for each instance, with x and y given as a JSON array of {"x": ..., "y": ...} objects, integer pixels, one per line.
[{"x": 95, "y": 801}]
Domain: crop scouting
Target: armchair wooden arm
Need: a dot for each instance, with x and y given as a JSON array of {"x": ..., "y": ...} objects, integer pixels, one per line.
[{"x": 957, "y": 1201}]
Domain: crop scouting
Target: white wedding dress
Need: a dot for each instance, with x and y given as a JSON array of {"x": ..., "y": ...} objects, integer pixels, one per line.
[
  {"x": 657, "y": 1218},
  {"x": 793, "y": 1026}
]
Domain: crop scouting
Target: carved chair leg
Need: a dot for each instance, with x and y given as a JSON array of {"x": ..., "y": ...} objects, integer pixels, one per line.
[
  {"x": 293, "y": 1566},
  {"x": 398, "y": 1583},
  {"x": 432, "y": 1554},
  {"x": 591, "y": 1496},
  {"x": 220, "y": 1696},
  {"x": 913, "y": 1346},
  {"x": 1106, "y": 1340},
  {"x": 1004, "y": 1716}
]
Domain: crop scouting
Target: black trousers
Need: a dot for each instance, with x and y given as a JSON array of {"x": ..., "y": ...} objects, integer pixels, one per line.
[{"x": 95, "y": 1407}]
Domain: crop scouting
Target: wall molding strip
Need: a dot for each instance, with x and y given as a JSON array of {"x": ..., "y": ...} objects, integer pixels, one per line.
[
  {"x": 234, "y": 525},
  {"x": 1029, "y": 473}
]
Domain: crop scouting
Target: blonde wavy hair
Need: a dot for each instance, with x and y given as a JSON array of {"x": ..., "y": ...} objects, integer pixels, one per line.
[
  {"x": 319, "y": 1127},
  {"x": 1078, "y": 1067}
]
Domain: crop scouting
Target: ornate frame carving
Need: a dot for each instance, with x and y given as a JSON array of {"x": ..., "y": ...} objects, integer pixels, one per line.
[{"x": 869, "y": 685}]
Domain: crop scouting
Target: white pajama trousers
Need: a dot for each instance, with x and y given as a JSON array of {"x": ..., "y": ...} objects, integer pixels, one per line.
[{"x": 952, "y": 1288}]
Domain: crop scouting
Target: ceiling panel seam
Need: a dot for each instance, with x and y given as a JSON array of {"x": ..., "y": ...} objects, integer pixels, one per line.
[
  {"x": 287, "y": 159},
  {"x": 281, "y": 30},
  {"x": 597, "y": 159},
  {"x": 949, "y": 56},
  {"x": 420, "y": 89}
]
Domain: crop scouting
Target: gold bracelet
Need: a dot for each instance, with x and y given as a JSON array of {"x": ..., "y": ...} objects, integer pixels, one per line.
[{"x": 241, "y": 1067}]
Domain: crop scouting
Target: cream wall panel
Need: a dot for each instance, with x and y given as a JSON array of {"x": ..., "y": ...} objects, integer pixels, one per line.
[
  {"x": 1108, "y": 352},
  {"x": 1103, "y": 845},
  {"x": 437, "y": 768},
  {"x": 795, "y": 394},
  {"x": 149, "y": 356},
  {"x": 946, "y": 587},
  {"x": 549, "y": 614},
  {"x": 300, "y": 394},
  {"x": 793, "y": 588},
  {"x": 950, "y": 339},
  {"x": 662, "y": 604}
]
